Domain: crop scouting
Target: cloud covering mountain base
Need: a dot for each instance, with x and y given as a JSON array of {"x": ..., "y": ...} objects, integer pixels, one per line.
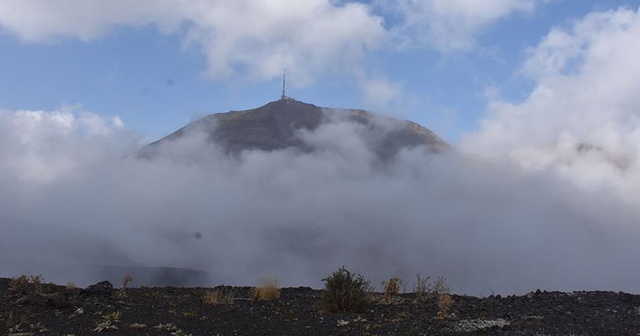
[{"x": 486, "y": 227}]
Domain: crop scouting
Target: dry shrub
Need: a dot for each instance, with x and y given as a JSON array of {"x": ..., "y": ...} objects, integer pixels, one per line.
[
  {"x": 37, "y": 281},
  {"x": 219, "y": 296},
  {"x": 122, "y": 292},
  {"x": 444, "y": 304},
  {"x": 21, "y": 283},
  {"x": 346, "y": 292},
  {"x": 391, "y": 289},
  {"x": 70, "y": 286},
  {"x": 266, "y": 290},
  {"x": 428, "y": 291},
  {"x": 434, "y": 292}
]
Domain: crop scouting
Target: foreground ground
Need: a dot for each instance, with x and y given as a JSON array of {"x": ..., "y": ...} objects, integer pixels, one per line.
[{"x": 100, "y": 309}]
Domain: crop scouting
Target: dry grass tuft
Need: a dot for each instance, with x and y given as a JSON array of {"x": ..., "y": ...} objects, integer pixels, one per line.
[
  {"x": 444, "y": 304},
  {"x": 391, "y": 289},
  {"x": 219, "y": 296},
  {"x": 266, "y": 290},
  {"x": 122, "y": 292},
  {"x": 104, "y": 326},
  {"x": 37, "y": 281},
  {"x": 137, "y": 326},
  {"x": 113, "y": 317},
  {"x": 429, "y": 291},
  {"x": 21, "y": 283}
]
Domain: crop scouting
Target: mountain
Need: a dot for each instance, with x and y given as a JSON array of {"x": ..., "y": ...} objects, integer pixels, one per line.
[{"x": 278, "y": 125}]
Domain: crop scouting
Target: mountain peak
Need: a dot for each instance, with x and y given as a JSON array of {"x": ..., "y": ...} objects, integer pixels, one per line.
[{"x": 277, "y": 125}]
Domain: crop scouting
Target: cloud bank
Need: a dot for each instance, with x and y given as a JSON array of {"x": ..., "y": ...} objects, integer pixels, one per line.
[
  {"x": 581, "y": 119},
  {"x": 486, "y": 227}
]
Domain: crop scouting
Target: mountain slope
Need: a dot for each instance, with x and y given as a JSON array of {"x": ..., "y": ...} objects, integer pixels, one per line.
[{"x": 278, "y": 125}]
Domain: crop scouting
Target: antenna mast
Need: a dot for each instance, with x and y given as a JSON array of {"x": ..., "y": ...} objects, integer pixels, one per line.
[{"x": 284, "y": 82}]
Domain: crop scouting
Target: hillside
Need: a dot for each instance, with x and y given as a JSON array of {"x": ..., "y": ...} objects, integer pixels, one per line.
[{"x": 278, "y": 125}]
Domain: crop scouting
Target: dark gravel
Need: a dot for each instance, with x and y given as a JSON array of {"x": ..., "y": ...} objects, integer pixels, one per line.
[{"x": 56, "y": 310}]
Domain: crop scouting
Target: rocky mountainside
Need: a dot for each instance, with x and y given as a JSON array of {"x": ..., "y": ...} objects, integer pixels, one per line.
[{"x": 277, "y": 125}]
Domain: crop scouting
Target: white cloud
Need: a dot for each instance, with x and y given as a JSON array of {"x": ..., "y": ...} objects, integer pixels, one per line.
[
  {"x": 307, "y": 36},
  {"x": 377, "y": 91},
  {"x": 41, "y": 146},
  {"x": 582, "y": 120},
  {"x": 298, "y": 216},
  {"x": 450, "y": 25},
  {"x": 254, "y": 38},
  {"x": 46, "y": 21}
]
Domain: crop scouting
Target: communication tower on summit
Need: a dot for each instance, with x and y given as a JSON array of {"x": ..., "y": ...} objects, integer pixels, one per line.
[
  {"x": 284, "y": 82},
  {"x": 284, "y": 87}
]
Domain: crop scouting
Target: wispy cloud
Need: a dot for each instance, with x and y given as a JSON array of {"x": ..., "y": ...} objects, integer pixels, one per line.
[
  {"x": 581, "y": 118},
  {"x": 449, "y": 25}
]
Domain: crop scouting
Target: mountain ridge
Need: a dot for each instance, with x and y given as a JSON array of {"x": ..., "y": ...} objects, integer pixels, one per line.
[{"x": 277, "y": 125}]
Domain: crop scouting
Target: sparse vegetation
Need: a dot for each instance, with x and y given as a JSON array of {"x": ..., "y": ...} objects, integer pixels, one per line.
[
  {"x": 444, "y": 305},
  {"x": 266, "y": 290},
  {"x": 108, "y": 322},
  {"x": 112, "y": 317},
  {"x": 391, "y": 289},
  {"x": 19, "y": 284},
  {"x": 302, "y": 311},
  {"x": 104, "y": 326},
  {"x": 166, "y": 327},
  {"x": 122, "y": 292},
  {"x": 190, "y": 314},
  {"x": 428, "y": 291},
  {"x": 346, "y": 292},
  {"x": 218, "y": 296},
  {"x": 172, "y": 328},
  {"x": 22, "y": 283},
  {"x": 434, "y": 292},
  {"x": 37, "y": 281}
]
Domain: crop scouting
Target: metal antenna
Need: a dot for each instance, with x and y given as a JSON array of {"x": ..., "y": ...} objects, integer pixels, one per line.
[{"x": 284, "y": 82}]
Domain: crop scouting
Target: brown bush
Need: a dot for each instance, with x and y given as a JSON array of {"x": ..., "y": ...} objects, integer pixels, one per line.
[{"x": 266, "y": 290}]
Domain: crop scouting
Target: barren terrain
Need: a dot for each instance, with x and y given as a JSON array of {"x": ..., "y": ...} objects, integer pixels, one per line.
[{"x": 47, "y": 309}]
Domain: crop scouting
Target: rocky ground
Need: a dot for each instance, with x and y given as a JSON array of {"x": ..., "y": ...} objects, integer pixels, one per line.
[{"x": 46, "y": 309}]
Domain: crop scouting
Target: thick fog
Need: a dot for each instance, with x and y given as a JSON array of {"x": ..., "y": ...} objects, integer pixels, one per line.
[{"x": 71, "y": 206}]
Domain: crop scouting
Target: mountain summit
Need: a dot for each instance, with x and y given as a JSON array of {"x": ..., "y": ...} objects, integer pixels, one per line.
[{"x": 281, "y": 124}]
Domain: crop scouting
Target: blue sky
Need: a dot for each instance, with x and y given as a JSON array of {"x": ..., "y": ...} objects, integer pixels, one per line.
[{"x": 156, "y": 81}]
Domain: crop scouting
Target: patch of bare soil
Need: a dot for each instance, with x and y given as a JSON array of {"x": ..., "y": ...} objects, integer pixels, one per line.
[{"x": 101, "y": 309}]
